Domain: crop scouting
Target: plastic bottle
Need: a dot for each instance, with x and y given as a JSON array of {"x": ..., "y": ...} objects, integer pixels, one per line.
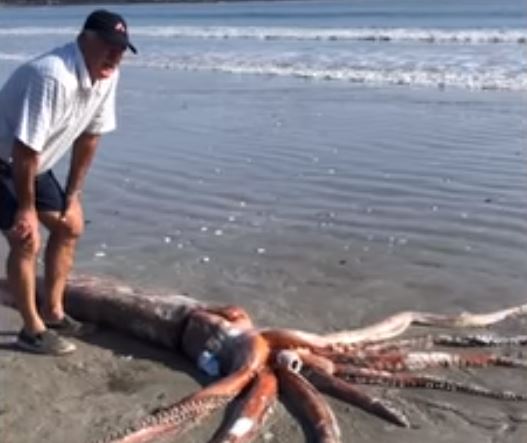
[{"x": 209, "y": 363}]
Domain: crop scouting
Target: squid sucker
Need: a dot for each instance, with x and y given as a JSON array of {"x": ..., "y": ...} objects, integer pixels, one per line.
[{"x": 258, "y": 367}]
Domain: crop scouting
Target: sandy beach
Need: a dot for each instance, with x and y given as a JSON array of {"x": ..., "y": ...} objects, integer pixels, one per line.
[
  {"x": 322, "y": 164},
  {"x": 113, "y": 380}
]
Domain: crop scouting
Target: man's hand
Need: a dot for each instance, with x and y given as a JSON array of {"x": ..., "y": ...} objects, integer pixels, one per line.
[
  {"x": 70, "y": 199},
  {"x": 25, "y": 227}
]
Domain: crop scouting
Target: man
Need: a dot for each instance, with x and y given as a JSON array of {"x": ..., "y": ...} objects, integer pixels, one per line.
[{"x": 61, "y": 100}]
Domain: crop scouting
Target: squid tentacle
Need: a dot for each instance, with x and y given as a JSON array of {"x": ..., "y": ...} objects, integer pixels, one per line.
[
  {"x": 253, "y": 413},
  {"x": 419, "y": 360},
  {"x": 185, "y": 414},
  {"x": 479, "y": 340},
  {"x": 448, "y": 340},
  {"x": 396, "y": 324},
  {"x": 407, "y": 380},
  {"x": 387, "y": 328},
  {"x": 312, "y": 404},
  {"x": 321, "y": 372},
  {"x": 422, "y": 360},
  {"x": 347, "y": 392}
]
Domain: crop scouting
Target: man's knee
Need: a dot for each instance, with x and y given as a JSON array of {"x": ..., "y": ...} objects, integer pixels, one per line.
[
  {"x": 27, "y": 248},
  {"x": 70, "y": 228}
]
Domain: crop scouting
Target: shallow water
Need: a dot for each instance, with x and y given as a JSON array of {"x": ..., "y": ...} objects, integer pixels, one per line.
[{"x": 312, "y": 202}]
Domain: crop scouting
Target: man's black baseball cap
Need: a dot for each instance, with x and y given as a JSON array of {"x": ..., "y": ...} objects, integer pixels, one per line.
[{"x": 111, "y": 27}]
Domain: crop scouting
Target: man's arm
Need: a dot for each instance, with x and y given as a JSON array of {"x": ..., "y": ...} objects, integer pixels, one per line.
[
  {"x": 81, "y": 158},
  {"x": 24, "y": 170}
]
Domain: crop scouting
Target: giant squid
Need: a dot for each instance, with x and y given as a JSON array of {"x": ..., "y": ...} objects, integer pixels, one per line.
[{"x": 261, "y": 365}]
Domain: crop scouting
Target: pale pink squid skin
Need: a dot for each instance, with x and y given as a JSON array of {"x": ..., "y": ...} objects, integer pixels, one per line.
[{"x": 251, "y": 359}]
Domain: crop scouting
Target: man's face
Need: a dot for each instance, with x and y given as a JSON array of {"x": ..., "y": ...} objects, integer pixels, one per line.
[{"x": 103, "y": 58}]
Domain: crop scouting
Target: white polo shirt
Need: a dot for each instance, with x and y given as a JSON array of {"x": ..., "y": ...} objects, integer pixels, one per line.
[{"x": 48, "y": 102}]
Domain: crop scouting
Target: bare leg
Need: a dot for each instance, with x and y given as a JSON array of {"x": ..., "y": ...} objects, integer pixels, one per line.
[
  {"x": 59, "y": 257},
  {"x": 21, "y": 275}
]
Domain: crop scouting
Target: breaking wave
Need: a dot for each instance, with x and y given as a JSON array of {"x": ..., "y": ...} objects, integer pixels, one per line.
[
  {"x": 462, "y": 58},
  {"x": 463, "y": 36}
]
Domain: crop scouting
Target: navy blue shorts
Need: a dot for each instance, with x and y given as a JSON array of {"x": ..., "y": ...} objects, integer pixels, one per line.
[{"x": 50, "y": 196}]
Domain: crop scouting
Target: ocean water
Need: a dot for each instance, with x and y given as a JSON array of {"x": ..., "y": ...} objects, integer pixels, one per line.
[
  {"x": 322, "y": 163},
  {"x": 477, "y": 44}
]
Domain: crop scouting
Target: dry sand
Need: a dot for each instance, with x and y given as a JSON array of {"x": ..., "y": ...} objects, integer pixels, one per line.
[{"x": 112, "y": 380}]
